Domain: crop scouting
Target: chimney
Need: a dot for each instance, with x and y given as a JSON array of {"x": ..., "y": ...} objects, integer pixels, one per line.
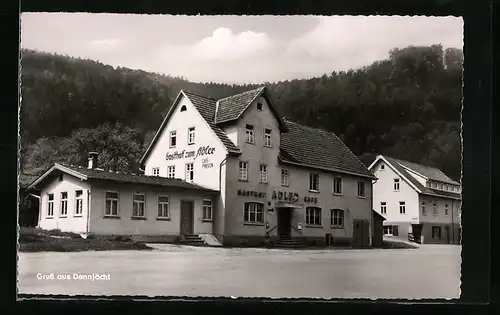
[{"x": 93, "y": 160}]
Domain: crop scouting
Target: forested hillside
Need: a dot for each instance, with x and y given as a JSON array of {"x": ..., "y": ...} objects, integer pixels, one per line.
[{"x": 407, "y": 106}]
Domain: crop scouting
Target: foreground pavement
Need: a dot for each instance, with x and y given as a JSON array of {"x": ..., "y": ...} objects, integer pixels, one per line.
[{"x": 431, "y": 271}]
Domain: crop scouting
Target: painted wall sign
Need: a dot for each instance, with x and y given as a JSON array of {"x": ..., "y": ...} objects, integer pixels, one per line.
[
  {"x": 204, "y": 150},
  {"x": 310, "y": 199},
  {"x": 205, "y": 163},
  {"x": 251, "y": 193},
  {"x": 285, "y": 196}
]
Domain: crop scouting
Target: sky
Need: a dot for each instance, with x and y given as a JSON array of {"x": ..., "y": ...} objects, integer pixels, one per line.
[{"x": 234, "y": 49}]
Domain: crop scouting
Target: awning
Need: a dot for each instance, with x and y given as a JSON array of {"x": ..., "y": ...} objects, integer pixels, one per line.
[{"x": 290, "y": 205}]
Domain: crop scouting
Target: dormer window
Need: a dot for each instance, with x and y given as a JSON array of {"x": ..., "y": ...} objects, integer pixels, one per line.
[
  {"x": 183, "y": 108},
  {"x": 429, "y": 184},
  {"x": 259, "y": 107}
]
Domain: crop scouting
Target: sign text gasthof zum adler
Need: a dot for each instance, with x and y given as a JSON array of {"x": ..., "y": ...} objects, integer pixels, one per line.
[{"x": 204, "y": 150}]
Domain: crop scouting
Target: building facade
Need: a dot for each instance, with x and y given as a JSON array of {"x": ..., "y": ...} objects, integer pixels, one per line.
[
  {"x": 276, "y": 179},
  {"x": 419, "y": 203}
]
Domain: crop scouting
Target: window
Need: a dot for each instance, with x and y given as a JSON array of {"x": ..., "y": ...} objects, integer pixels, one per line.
[
  {"x": 434, "y": 209},
  {"x": 313, "y": 216},
  {"x": 259, "y": 106},
  {"x": 171, "y": 171},
  {"x": 64, "y": 204},
  {"x": 402, "y": 207},
  {"x": 423, "y": 208},
  {"x": 446, "y": 187},
  {"x": 314, "y": 181},
  {"x": 284, "y": 177},
  {"x": 396, "y": 184},
  {"x": 183, "y": 108},
  {"x": 189, "y": 172},
  {"x": 156, "y": 171},
  {"x": 337, "y": 219},
  {"x": 392, "y": 230},
  {"x": 383, "y": 207},
  {"x": 207, "y": 210},
  {"x": 267, "y": 137},
  {"x": 173, "y": 139},
  {"x": 434, "y": 185},
  {"x": 436, "y": 232},
  {"x": 163, "y": 212},
  {"x": 50, "y": 205},
  {"x": 361, "y": 189},
  {"x": 191, "y": 135},
  {"x": 243, "y": 174},
  {"x": 441, "y": 186},
  {"x": 111, "y": 204},
  {"x": 138, "y": 206},
  {"x": 78, "y": 202},
  {"x": 446, "y": 209},
  {"x": 263, "y": 173},
  {"x": 249, "y": 136},
  {"x": 254, "y": 212},
  {"x": 337, "y": 185},
  {"x": 382, "y": 167}
]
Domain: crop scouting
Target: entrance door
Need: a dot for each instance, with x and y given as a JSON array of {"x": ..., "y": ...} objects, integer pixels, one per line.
[
  {"x": 284, "y": 223},
  {"x": 361, "y": 233},
  {"x": 417, "y": 232},
  {"x": 187, "y": 213}
]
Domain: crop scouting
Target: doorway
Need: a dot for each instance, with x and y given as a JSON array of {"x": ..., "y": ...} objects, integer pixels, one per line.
[
  {"x": 285, "y": 223},
  {"x": 361, "y": 233},
  {"x": 416, "y": 230},
  {"x": 187, "y": 214}
]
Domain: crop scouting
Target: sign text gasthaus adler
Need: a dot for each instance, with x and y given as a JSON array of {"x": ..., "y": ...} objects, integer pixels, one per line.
[{"x": 204, "y": 150}]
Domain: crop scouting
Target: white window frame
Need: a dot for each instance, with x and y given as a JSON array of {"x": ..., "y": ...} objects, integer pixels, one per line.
[
  {"x": 50, "y": 206},
  {"x": 243, "y": 170},
  {"x": 390, "y": 230},
  {"x": 163, "y": 211},
  {"x": 314, "y": 182},
  {"x": 312, "y": 212},
  {"x": 249, "y": 134},
  {"x": 191, "y": 135},
  {"x": 446, "y": 209},
  {"x": 434, "y": 185},
  {"x": 253, "y": 208},
  {"x": 337, "y": 179},
  {"x": 424, "y": 211},
  {"x": 171, "y": 171},
  {"x": 267, "y": 137},
  {"x": 189, "y": 172},
  {"x": 78, "y": 203},
  {"x": 207, "y": 210},
  {"x": 402, "y": 207},
  {"x": 173, "y": 136},
  {"x": 64, "y": 205},
  {"x": 136, "y": 205},
  {"x": 434, "y": 209},
  {"x": 285, "y": 177},
  {"x": 263, "y": 173},
  {"x": 156, "y": 171},
  {"x": 397, "y": 183},
  {"x": 441, "y": 186},
  {"x": 383, "y": 207},
  {"x": 362, "y": 191},
  {"x": 337, "y": 218},
  {"x": 112, "y": 201}
]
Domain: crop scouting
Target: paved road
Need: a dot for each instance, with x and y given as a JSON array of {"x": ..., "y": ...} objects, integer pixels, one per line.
[{"x": 432, "y": 271}]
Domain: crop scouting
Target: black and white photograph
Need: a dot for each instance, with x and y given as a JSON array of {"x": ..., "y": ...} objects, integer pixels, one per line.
[{"x": 240, "y": 156}]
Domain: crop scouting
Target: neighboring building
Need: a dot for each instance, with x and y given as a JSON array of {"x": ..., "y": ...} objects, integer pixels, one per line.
[
  {"x": 275, "y": 178},
  {"x": 93, "y": 201},
  {"x": 28, "y": 202},
  {"x": 419, "y": 202}
]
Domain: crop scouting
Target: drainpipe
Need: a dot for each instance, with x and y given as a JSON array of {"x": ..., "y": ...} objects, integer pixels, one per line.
[{"x": 88, "y": 212}]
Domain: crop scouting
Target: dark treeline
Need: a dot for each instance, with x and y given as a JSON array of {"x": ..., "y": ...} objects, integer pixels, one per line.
[{"x": 407, "y": 106}]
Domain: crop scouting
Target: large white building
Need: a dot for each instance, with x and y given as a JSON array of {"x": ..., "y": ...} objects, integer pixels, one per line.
[
  {"x": 249, "y": 175},
  {"x": 419, "y": 202}
]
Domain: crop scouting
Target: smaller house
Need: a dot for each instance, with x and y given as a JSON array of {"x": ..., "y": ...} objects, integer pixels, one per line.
[
  {"x": 378, "y": 229},
  {"x": 27, "y": 202},
  {"x": 92, "y": 201},
  {"x": 420, "y": 203}
]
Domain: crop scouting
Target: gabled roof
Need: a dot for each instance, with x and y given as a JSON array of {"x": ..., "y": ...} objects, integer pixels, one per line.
[
  {"x": 401, "y": 169},
  {"x": 316, "y": 148},
  {"x": 428, "y": 172},
  {"x": 206, "y": 107},
  {"x": 84, "y": 173},
  {"x": 232, "y": 107}
]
